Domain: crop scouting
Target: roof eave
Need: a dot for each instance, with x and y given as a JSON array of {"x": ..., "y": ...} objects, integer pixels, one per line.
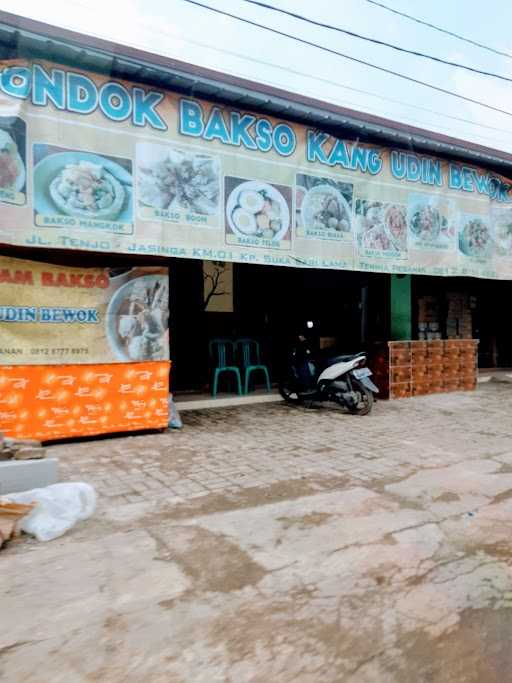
[{"x": 95, "y": 53}]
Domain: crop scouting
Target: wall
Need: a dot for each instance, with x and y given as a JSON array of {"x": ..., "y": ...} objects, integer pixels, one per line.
[{"x": 401, "y": 312}]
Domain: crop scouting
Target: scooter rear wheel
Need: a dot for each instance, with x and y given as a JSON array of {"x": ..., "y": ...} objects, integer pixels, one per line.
[{"x": 364, "y": 401}]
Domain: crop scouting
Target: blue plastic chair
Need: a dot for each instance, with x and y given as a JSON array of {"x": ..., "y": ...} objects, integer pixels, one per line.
[
  {"x": 249, "y": 352},
  {"x": 223, "y": 353}
]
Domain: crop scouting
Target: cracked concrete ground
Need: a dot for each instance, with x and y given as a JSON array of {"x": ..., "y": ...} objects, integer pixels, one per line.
[{"x": 276, "y": 544}]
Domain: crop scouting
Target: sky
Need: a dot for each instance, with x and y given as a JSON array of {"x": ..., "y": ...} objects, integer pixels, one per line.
[{"x": 175, "y": 28}]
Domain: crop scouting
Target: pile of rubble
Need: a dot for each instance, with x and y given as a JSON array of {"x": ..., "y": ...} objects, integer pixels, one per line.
[
  {"x": 11, "y": 515},
  {"x": 20, "y": 449}
]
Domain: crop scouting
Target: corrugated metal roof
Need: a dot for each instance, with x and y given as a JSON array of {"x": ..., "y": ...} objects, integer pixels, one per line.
[{"x": 19, "y": 35}]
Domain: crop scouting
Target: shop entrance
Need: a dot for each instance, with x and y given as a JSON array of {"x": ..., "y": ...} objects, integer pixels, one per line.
[
  {"x": 270, "y": 304},
  {"x": 491, "y": 324},
  {"x": 465, "y": 308}
]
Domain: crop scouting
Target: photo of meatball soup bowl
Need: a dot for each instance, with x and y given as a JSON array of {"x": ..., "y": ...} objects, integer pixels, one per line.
[{"x": 256, "y": 209}]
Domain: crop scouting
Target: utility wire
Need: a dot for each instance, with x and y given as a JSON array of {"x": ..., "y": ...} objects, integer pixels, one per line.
[
  {"x": 356, "y": 90},
  {"x": 441, "y": 30},
  {"x": 376, "y": 41},
  {"x": 353, "y": 59},
  {"x": 248, "y": 58}
]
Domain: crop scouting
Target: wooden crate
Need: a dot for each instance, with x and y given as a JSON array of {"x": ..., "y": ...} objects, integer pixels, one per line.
[
  {"x": 402, "y": 390},
  {"x": 399, "y": 357},
  {"x": 428, "y": 367},
  {"x": 420, "y": 371},
  {"x": 435, "y": 373},
  {"x": 450, "y": 384},
  {"x": 400, "y": 374},
  {"x": 420, "y": 388}
]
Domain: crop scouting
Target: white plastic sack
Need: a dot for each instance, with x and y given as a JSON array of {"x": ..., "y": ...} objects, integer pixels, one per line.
[
  {"x": 59, "y": 507},
  {"x": 174, "y": 417}
]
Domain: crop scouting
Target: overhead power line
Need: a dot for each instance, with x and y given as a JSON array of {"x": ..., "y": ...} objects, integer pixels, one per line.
[
  {"x": 303, "y": 41},
  {"x": 376, "y": 41},
  {"x": 442, "y": 30},
  {"x": 153, "y": 29}
]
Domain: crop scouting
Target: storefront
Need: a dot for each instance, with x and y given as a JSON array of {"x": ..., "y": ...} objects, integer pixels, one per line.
[
  {"x": 118, "y": 168},
  {"x": 270, "y": 305},
  {"x": 458, "y": 308}
]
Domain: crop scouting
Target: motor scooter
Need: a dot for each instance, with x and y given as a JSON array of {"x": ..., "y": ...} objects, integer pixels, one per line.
[{"x": 315, "y": 377}]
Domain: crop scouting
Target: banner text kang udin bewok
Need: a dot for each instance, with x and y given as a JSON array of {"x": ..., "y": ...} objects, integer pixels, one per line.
[
  {"x": 47, "y": 314},
  {"x": 78, "y": 93}
]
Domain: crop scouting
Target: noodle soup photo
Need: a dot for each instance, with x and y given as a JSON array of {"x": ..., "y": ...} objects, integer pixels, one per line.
[
  {"x": 323, "y": 208},
  {"x": 13, "y": 173},
  {"x": 177, "y": 185},
  {"x": 475, "y": 236},
  {"x": 82, "y": 190},
  {"x": 381, "y": 229},
  {"x": 431, "y": 222},
  {"x": 137, "y": 319}
]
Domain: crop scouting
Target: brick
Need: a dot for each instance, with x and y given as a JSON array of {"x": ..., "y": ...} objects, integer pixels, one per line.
[{"x": 234, "y": 449}]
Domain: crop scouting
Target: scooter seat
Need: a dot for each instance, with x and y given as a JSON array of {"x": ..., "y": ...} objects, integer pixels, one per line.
[{"x": 345, "y": 358}]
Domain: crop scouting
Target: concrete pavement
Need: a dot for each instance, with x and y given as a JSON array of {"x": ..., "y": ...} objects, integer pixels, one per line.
[{"x": 278, "y": 544}]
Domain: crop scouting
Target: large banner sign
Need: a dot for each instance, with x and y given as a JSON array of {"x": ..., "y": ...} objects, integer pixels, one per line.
[
  {"x": 54, "y": 314},
  {"x": 95, "y": 164}
]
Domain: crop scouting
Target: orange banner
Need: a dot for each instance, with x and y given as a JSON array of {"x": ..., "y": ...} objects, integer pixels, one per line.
[{"x": 48, "y": 402}]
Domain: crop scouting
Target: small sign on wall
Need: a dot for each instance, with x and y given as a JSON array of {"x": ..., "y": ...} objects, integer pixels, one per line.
[{"x": 218, "y": 286}]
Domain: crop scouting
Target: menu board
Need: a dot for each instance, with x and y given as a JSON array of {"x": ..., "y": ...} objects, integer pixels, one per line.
[{"x": 91, "y": 163}]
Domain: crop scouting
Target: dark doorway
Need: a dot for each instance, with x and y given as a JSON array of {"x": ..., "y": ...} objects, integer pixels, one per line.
[
  {"x": 486, "y": 307},
  {"x": 350, "y": 311}
]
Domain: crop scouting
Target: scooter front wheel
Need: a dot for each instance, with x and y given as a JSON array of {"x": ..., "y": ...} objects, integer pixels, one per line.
[
  {"x": 289, "y": 393},
  {"x": 364, "y": 400}
]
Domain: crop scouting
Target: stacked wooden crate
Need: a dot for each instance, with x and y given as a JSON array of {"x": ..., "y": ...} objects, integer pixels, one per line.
[
  {"x": 400, "y": 369},
  {"x": 430, "y": 367},
  {"x": 459, "y": 321}
]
